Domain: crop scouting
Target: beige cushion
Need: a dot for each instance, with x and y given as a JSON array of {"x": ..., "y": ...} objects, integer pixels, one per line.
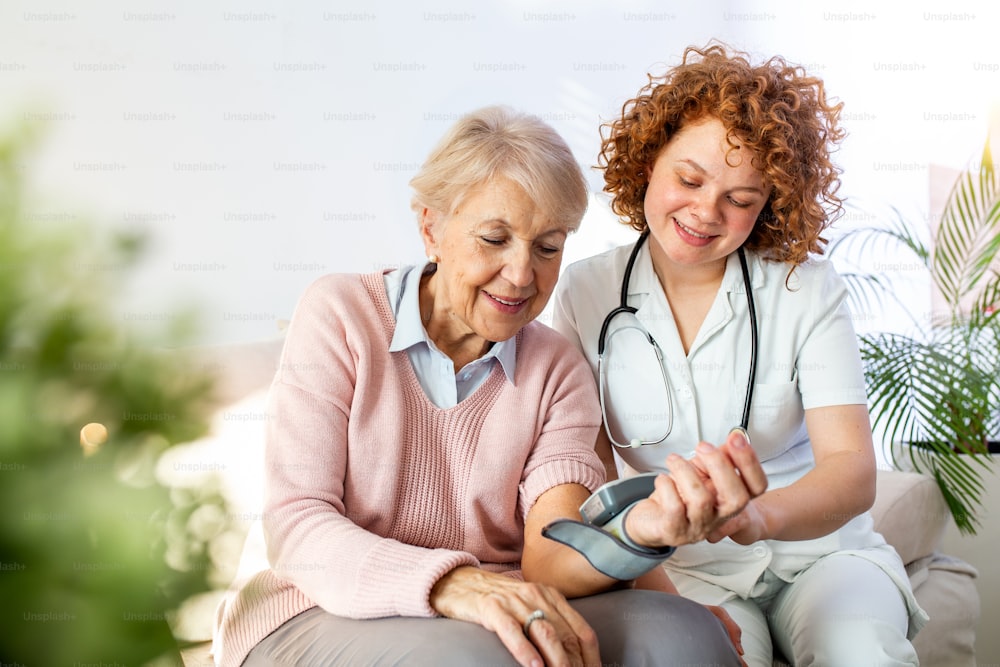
[
  {"x": 946, "y": 589},
  {"x": 910, "y": 512}
]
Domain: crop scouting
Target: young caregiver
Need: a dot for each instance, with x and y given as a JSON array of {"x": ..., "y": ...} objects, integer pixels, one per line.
[{"x": 721, "y": 315}]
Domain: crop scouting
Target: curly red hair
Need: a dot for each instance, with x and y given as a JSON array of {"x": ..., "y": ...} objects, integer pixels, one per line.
[{"x": 774, "y": 109}]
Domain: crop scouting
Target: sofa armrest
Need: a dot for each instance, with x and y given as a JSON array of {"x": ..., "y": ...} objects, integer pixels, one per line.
[
  {"x": 946, "y": 589},
  {"x": 910, "y": 512}
]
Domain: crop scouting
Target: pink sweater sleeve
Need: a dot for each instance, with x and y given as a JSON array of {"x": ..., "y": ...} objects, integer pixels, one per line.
[
  {"x": 563, "y": 452},
  {"x": 343, "y": 568}
]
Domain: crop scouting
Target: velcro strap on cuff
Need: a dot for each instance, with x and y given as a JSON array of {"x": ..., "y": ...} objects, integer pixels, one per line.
[
  {"x": 617, "y": 528},
  {"x": 608, "y": 554}
]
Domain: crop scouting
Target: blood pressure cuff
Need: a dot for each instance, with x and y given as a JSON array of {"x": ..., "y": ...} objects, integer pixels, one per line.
[
  {"x": 606, "y": 552},
  {"x": 601, "y": 536}
]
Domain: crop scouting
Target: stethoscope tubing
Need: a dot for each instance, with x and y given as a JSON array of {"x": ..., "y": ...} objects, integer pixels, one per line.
[
  {"x": 623, "y": 307},
  {"x": 754, "y": 342}
]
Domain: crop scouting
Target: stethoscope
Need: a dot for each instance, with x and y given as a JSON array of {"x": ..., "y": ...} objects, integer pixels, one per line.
[{"x": 623, "y": 307}]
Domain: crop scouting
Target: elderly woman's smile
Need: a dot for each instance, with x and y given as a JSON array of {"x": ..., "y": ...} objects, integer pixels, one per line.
[{"x": 506, "y": 305}]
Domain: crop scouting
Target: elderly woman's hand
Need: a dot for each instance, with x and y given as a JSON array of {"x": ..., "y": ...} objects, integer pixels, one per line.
[
  {"x": 557, "y": 636},
  {"x": 699, "y": 495}
]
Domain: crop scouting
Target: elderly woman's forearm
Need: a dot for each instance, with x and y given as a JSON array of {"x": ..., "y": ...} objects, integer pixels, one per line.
[
  {"x": 567, "y": 571},
  {"x": 555, "y": 564}
]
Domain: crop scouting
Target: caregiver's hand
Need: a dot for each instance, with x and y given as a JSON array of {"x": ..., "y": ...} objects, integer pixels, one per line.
[{"x": 698, "y": 495}]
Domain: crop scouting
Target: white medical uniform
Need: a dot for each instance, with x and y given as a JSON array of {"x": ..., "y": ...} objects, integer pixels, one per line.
[{"x": 808, "y": 358}]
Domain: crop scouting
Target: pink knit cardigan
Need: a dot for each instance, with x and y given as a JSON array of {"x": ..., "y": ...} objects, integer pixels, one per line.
[{"x": 372, "y": 492}]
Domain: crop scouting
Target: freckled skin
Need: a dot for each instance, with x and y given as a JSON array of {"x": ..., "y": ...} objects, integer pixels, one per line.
[{"x": 702, "y": 201}]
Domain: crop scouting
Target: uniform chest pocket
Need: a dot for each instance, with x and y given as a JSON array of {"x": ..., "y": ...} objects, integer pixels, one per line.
[{"x": 776, "y": 417}]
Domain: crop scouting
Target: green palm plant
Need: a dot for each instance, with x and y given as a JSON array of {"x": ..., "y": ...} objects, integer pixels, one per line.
[{"x": 936, "y": 389}]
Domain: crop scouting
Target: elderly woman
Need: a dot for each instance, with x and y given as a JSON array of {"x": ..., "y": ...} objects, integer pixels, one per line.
[{"x": 425, "y": 430}]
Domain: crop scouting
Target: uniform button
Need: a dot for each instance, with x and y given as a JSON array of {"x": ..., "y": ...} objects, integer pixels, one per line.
[
  {"x": 760, "y": 551},
  {"x": 686, "y": 392}
]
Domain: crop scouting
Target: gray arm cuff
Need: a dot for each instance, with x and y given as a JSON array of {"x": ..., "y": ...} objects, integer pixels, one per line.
[{"x": 608, "y": 554}]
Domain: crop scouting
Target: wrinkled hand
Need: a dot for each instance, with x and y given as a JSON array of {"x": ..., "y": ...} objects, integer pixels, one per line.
[
  {"x": 502, "y": 604},
  {"x": 735, "y": 633},
  {"x": 699, "y": 496}
]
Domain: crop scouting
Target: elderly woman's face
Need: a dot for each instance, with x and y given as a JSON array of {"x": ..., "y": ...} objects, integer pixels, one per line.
[{"x": 499, "y": 257}]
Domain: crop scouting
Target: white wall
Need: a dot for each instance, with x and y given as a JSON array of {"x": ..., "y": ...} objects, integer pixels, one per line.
[{"x": 263, "y": 144}]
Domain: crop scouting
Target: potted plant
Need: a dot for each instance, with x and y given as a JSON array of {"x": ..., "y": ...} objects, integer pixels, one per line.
[{"x": 935, "y": 389}]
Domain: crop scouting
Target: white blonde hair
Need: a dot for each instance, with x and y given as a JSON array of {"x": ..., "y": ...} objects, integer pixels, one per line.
[{"x": 498, "y": 142}]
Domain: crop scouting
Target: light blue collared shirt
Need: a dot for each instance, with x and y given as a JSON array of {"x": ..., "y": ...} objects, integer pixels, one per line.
[{"x": 434, "y": 369}]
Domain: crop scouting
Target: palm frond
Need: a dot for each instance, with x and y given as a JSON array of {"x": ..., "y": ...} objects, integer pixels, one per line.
[
  {"x": 920, "y": 396},
  {"x": 936, "y": 393},
  {"x": 870, "y": 293},
  {"x": 966, "y": 243},
  {"x": 883, "y": 239}
]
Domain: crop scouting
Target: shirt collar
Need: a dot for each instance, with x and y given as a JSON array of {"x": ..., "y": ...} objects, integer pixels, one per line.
[
  {"x": 410, "y": 329},
  {"x": 733, "y": 280},
  {"x": 644, "y": 280},
  {"x": 506, "y": 353}
]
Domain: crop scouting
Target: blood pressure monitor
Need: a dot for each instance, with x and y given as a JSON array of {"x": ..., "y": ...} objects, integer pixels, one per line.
[
  {"x": 601, "y": 538},
  {"x": 615, "y": 497}
]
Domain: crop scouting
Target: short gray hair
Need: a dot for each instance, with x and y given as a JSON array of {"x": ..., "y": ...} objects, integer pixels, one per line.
[{"x": 499, "y": 142}]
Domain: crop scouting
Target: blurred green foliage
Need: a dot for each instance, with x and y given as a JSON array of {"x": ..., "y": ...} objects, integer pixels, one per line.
[{"x": 96, "y": 553}]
